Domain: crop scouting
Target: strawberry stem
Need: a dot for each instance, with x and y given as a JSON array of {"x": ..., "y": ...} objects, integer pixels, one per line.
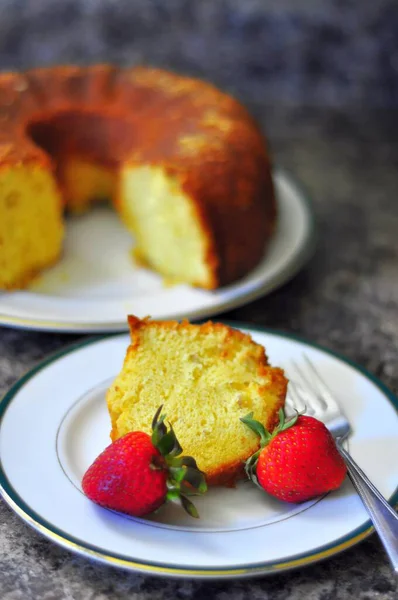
[
  {"x": 283, "y": 424},
  {"x": 265, "y": 438}
]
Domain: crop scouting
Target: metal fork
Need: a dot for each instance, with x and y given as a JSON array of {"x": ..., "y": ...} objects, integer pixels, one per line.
[{"x": 321, "y": 404}]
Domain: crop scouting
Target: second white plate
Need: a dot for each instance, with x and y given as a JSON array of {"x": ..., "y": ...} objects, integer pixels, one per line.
[
  {"x": 54, "y": 422},
  {"x": 96, "y": 284}
]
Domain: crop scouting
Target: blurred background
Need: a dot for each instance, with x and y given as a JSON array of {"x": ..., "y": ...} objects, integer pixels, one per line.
[
  {"x": 300, "y": 52},
  {"x": 321, "y": 78}
]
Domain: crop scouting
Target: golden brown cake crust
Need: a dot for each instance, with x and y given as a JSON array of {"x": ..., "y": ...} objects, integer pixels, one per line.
[
  {"x": 226, "y": 474},
  {"x": 116, "y": 117}
]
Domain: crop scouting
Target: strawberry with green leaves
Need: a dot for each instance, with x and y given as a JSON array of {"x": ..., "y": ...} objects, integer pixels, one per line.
[
  {"x": 138, "y": 473},
  {"x": 299, "y": 460}
]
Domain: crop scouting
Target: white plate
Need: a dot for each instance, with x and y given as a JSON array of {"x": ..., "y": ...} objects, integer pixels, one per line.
[
  {"x": 54, "y": 423},
  {"x": 96, "y": 284}
]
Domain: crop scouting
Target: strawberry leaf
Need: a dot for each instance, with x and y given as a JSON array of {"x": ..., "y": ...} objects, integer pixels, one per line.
[
  {"x": 258, "y": 428},
  {"x": 159, "y": 429},
  {"x": 177, "y": 473},
  {"x": 195, "y": 480},
  {"x": 173, "y": 495},
  {"x": 177, "y": 449},
  {"x": 189, "y": 461},
  {"x": 251, "y": 468},
  {"x": 156, "y": 417},
  {"x": 166, "y": 443},
  {"x": 202, "y": 488},
  {"x": 189, "y": 507}
]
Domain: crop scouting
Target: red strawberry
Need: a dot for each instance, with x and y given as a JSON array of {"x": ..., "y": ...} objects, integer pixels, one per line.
[
  {"x": 138, "y": 473},
  {"x": 298, "y": 461}
]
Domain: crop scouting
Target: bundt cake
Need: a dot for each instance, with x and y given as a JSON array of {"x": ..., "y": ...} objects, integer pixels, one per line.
[
  {"x": 206, "y": 377},
  {"x": 184, "y": 164}
]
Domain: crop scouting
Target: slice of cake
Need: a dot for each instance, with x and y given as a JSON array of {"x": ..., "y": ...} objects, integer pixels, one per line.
[{"x": 207, "y": 377}]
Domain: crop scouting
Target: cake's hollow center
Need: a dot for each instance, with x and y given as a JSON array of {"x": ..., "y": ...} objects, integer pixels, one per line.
[
  {"x": 90, "y": 135},
  {"x": 86, "y": 149}
]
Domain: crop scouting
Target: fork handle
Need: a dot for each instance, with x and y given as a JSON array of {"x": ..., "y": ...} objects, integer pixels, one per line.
[{"x": 383, "y": 516}]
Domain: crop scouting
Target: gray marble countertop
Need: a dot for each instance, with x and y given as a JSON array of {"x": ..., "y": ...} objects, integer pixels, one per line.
[{"x": 346, "y": 298}]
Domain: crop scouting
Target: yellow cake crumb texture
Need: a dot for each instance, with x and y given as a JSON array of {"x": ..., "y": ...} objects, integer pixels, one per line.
[
  {"x": 207, "y": 377},
  {"x": 31, "y": 226}
]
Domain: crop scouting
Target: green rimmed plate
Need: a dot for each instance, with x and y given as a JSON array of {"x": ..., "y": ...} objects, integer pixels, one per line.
[{"x": 58, "y": 412}]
